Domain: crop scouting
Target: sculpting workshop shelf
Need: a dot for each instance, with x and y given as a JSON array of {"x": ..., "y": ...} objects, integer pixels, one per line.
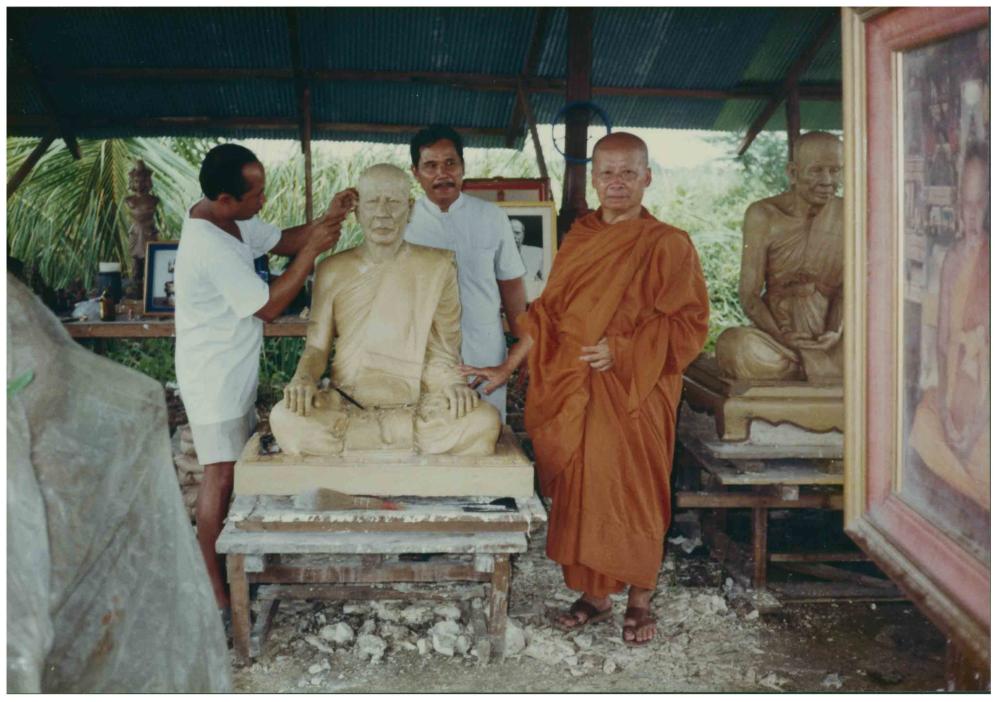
[{"x": 507, "y": 473}]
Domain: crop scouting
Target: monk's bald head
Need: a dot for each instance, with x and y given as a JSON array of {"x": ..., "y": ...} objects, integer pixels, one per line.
[
  {"x": 384, "y": 174},
  {"x": 622, "y": 141}
]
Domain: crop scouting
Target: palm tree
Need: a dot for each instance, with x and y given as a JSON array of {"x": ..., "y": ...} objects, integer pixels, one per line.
[{"x": 70, "y": 214}]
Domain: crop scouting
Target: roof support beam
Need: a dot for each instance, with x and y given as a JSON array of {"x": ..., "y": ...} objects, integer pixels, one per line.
[
  {"x": 579, "y": 50},
  {"x": 56, "y": 118},
  {"x": 25, "y": 168},
  {"x": 793, "y": 120},
  {"x": 262, "y": 123},
  {"x": 464, "y": 81},
  {"x": 528, "y": 69},
  {"x": 305, "y": 105},
  {"x": 803, "y": 62},
  {"x": 529, "y": 114}
]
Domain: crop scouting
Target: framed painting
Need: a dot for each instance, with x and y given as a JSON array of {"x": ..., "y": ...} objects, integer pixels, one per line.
[
  {"x": 534, "y": 225},
  {"x": 917, "y": 281},
  {"x": 508, "y": 189},
  {"x": 158, "y": 297}
]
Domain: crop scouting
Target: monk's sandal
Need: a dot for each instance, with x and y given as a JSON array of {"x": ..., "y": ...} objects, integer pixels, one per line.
[{"x": 592, "y": 615}]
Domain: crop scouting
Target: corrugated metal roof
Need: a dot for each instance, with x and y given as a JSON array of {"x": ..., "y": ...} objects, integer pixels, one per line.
[{"x": 707, "y": 48}]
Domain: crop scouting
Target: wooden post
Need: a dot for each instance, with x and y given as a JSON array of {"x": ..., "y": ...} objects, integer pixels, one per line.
[
  {"x": 239, "y": 603},
  {"x": 29, "y": 163},
  {"x": 499, "y": 595},
  {"x": 792, "y": 119},
  {"x": 759, "y": 548},
  {"x": 579, "y": 45},
  {"x": 307, "y": 150}
]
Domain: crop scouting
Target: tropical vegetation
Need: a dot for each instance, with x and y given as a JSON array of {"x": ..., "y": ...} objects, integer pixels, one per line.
[{"x": 69, "y": 214}]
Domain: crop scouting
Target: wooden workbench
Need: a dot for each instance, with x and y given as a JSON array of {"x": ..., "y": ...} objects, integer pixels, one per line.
[{"x": 265, "y": 539}]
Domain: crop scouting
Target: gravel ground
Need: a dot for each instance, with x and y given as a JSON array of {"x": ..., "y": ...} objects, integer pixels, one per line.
[{"x": 711, "y": 639}]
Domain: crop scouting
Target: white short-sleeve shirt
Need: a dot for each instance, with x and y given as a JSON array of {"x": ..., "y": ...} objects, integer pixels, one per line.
[
  {"x": 217, "y": 292},
  {"x": 480, "y": 235}
]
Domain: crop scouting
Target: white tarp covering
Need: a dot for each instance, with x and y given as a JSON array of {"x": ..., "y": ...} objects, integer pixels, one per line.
[{"x": 106, "y": 590}]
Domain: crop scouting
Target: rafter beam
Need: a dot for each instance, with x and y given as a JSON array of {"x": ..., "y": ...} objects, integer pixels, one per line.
[
  {"x": 25, "y": 168},
  {"x": 262, "y": 123},
  {"x": 528, "y": 69},
  {"x": 56, "y": 118},
  {"x": 800, "y": 66},
  {"x": 486, "y": 82}
]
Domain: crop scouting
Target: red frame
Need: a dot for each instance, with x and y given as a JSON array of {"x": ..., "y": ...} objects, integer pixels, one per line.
[
  {"x": 950, "y": 585},
  {"x": 538, "y": 185}
]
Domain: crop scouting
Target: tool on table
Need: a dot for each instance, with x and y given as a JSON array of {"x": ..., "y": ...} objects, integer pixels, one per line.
[
  {"x": 325, "y": 499},
  {"x": 501, "y": 504}
]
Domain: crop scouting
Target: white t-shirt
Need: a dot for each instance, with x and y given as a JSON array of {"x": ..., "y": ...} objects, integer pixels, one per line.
[
  {"x": 480, "y": 235},
  {"x": 218, "y": 338}
]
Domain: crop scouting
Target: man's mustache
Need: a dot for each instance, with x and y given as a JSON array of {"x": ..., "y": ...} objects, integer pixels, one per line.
[{"x": 445, "y": 184}]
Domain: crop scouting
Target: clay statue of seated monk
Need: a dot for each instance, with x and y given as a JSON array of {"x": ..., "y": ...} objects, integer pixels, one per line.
[
  {"x": 394, "y": 310},
  {"x": 791, "y": 279}
]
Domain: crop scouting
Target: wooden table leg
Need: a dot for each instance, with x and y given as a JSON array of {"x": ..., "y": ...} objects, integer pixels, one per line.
[
  {"x": 239, "y": 602},
  {"x": 499, "y": 596},
  {"x": 759, "y": 548}
]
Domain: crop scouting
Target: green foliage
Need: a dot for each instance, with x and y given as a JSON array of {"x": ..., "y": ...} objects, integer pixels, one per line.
[
  {"x": 154, "y": 357},
  {"x": 68, "y": 215},
  {"x": 277, "y": 365}
]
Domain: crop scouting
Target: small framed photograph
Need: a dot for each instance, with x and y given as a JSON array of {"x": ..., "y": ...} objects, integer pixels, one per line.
[
  {"x": 917, "y": 389},
  {"x": 508, "y": 189},
  {"x": 534, "y": 225},
  {"x": 158, "y": 298}
]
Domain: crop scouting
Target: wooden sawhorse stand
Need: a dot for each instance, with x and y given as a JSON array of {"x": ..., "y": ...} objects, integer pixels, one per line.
[{"x": 264, "y": 535}]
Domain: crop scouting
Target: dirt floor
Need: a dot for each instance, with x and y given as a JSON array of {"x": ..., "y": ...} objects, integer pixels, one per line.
[{"x": 711, "y": 639}]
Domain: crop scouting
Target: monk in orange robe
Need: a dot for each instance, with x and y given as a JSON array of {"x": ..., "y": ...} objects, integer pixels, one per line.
[{"x": 623, "y": 313}]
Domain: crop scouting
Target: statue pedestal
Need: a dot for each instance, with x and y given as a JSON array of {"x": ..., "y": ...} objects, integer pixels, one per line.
[
  {"x": 736, "y": 403},
  {"x": 507, "y": 473}
]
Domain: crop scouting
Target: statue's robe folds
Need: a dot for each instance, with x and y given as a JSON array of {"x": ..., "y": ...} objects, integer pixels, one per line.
[
  {"x": 805, "y": 273},
  {"x": 604, "y": 441},
  {"x": 398, "y": 336},
  {"x": 961, "y": 457}
]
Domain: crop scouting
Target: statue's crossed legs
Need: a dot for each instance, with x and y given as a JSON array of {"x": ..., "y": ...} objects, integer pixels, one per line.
[{"x": 333, "y": 427}]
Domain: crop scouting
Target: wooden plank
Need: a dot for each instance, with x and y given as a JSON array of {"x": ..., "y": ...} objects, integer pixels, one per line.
[
  {"x": 286, "y": 325},
  {"x": 744, "y": 500},
  {"x": 358, "y": 592},
  {"x": 819, "y": 556},
  {"x": 25, "y": 168},
  {"x": 233, "y": 541},
  {"x": 801, "y": 592},
  {"x": 396, "y": 572},
  {"x": 827, "y": 572},
  {"x": 484, "y": 82},
  {"x": 450, "y": 526}
]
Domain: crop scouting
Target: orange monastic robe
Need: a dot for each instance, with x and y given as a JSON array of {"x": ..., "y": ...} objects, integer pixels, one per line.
[{"x": 604, "y": 441}]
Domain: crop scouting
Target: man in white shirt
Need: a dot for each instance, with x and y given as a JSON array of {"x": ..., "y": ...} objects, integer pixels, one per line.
[
  {"x": 490, "y": 271},
  {"x": 221, "y": 307}
]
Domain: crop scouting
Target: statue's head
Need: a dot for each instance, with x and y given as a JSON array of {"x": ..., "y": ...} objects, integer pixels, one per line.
[
  {"x": 140, "y": 178},
  {"x": 817, "y": 167},
  {"x": 620, "y": 171},
  {"x": 384, "y": 204}
]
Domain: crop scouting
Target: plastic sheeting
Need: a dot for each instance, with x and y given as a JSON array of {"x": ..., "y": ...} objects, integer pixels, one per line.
[{"x": 106, "y": 590}]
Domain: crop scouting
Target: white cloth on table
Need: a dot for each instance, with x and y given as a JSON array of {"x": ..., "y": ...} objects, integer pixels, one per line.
[
  {"x": 218, "y": 337},
  {"x": 481, "y": 236}
]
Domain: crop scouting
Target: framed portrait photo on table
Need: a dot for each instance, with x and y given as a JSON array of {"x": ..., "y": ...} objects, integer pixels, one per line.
[
  {"x": 534, "y": 226},
  {"x": 917, "y": 286},
  {"x": 158, "y": 297}
]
